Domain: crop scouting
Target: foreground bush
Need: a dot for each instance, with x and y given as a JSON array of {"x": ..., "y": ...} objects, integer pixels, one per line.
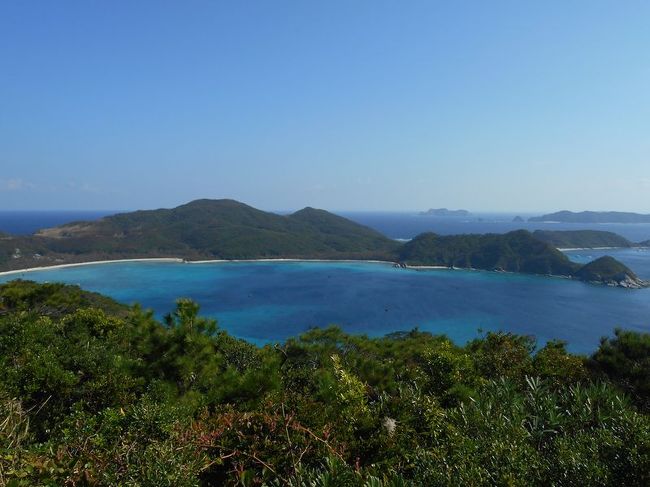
[{"x": 93, "y": 393}]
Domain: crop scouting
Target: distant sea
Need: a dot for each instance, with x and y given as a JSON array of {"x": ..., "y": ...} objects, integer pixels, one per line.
[{"x": 27, "y": 222}]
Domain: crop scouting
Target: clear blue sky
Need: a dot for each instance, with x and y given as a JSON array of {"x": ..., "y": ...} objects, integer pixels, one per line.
[{"x": 484, "y": 105}]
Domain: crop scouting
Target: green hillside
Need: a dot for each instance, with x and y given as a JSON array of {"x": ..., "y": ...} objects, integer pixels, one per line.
[
  {"x": 570, "y": 239},
  {"x": 516, "y": 251},
  {"x": 210, "y": 229}
]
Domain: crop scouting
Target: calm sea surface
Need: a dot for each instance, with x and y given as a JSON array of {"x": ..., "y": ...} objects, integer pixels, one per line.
[
  {"x": 27, "y": 222},
  {"x": 267, "y": 302}
]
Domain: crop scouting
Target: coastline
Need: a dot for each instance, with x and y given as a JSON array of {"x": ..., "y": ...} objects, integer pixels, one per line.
[
  {"x": 593, "y": 248},
  {"x": 280, "y": 260},
  {"x": 226, "y": 261}
]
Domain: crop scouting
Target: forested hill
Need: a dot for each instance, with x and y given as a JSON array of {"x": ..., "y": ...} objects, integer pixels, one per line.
[
  {"x": 95, "y": 394},
  {"x": 202, "y": 229},
  {"x": 517, "y": 251},
  {"x": 224, "y": 229},
  {"x": 592, "y": 217},
  {"x": 583, "y": 239}
]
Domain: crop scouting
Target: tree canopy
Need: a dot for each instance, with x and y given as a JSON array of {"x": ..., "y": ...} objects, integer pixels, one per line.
[{"x": 95, "y": 393}]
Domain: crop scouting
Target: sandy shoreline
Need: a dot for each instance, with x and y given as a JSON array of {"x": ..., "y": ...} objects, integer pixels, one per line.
[
  {"x": 210, "y": 261},
  {"x": 77, "y": 264}
]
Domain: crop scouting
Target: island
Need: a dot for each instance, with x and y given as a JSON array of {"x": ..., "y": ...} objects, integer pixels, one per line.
[
  {"x": 229, "y": 230},
  {"x": 517, "y": 219},
  {"x": 592, "y": 217},
  {"x": 444, "y": 212}
]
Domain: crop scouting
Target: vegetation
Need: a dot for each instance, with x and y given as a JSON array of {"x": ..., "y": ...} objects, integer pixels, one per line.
[
  {"x": 93, "y": 393},
  {"x": 592, "y": 217},
  {"x": 581, "y": 239}
]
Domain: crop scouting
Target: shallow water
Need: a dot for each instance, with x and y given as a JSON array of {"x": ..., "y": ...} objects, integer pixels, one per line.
[{"x": 267, "y": 301}]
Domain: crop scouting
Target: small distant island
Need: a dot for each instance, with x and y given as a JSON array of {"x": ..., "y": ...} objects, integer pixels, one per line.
[
  {"x": 444, "y": 212},
  {"x": 517, "y": 219},
  {"x": 592, "y": 217},
  {"x": 230, "y": 230}
]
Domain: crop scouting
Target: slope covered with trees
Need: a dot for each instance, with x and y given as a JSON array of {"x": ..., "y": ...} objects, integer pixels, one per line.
[
  {"x": 581, "y": 239},
  {"x": 516, "y": 251},
  {"x": 98, "y": 394}
]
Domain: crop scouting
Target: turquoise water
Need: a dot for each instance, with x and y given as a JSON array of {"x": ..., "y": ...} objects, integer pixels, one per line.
[{"x": 266, "y": 302}]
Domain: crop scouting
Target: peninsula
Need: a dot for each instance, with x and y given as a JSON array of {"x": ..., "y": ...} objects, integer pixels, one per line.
[
  {"x": 592, "y": 217},
  {"x": 230, "y": 230}
]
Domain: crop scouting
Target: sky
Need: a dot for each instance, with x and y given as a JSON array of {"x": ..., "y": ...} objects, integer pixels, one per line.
[{"x": 342, "y": 105}]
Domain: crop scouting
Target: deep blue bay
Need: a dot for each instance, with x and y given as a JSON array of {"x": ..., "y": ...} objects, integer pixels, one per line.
[{"x": 270, "y": 301}]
